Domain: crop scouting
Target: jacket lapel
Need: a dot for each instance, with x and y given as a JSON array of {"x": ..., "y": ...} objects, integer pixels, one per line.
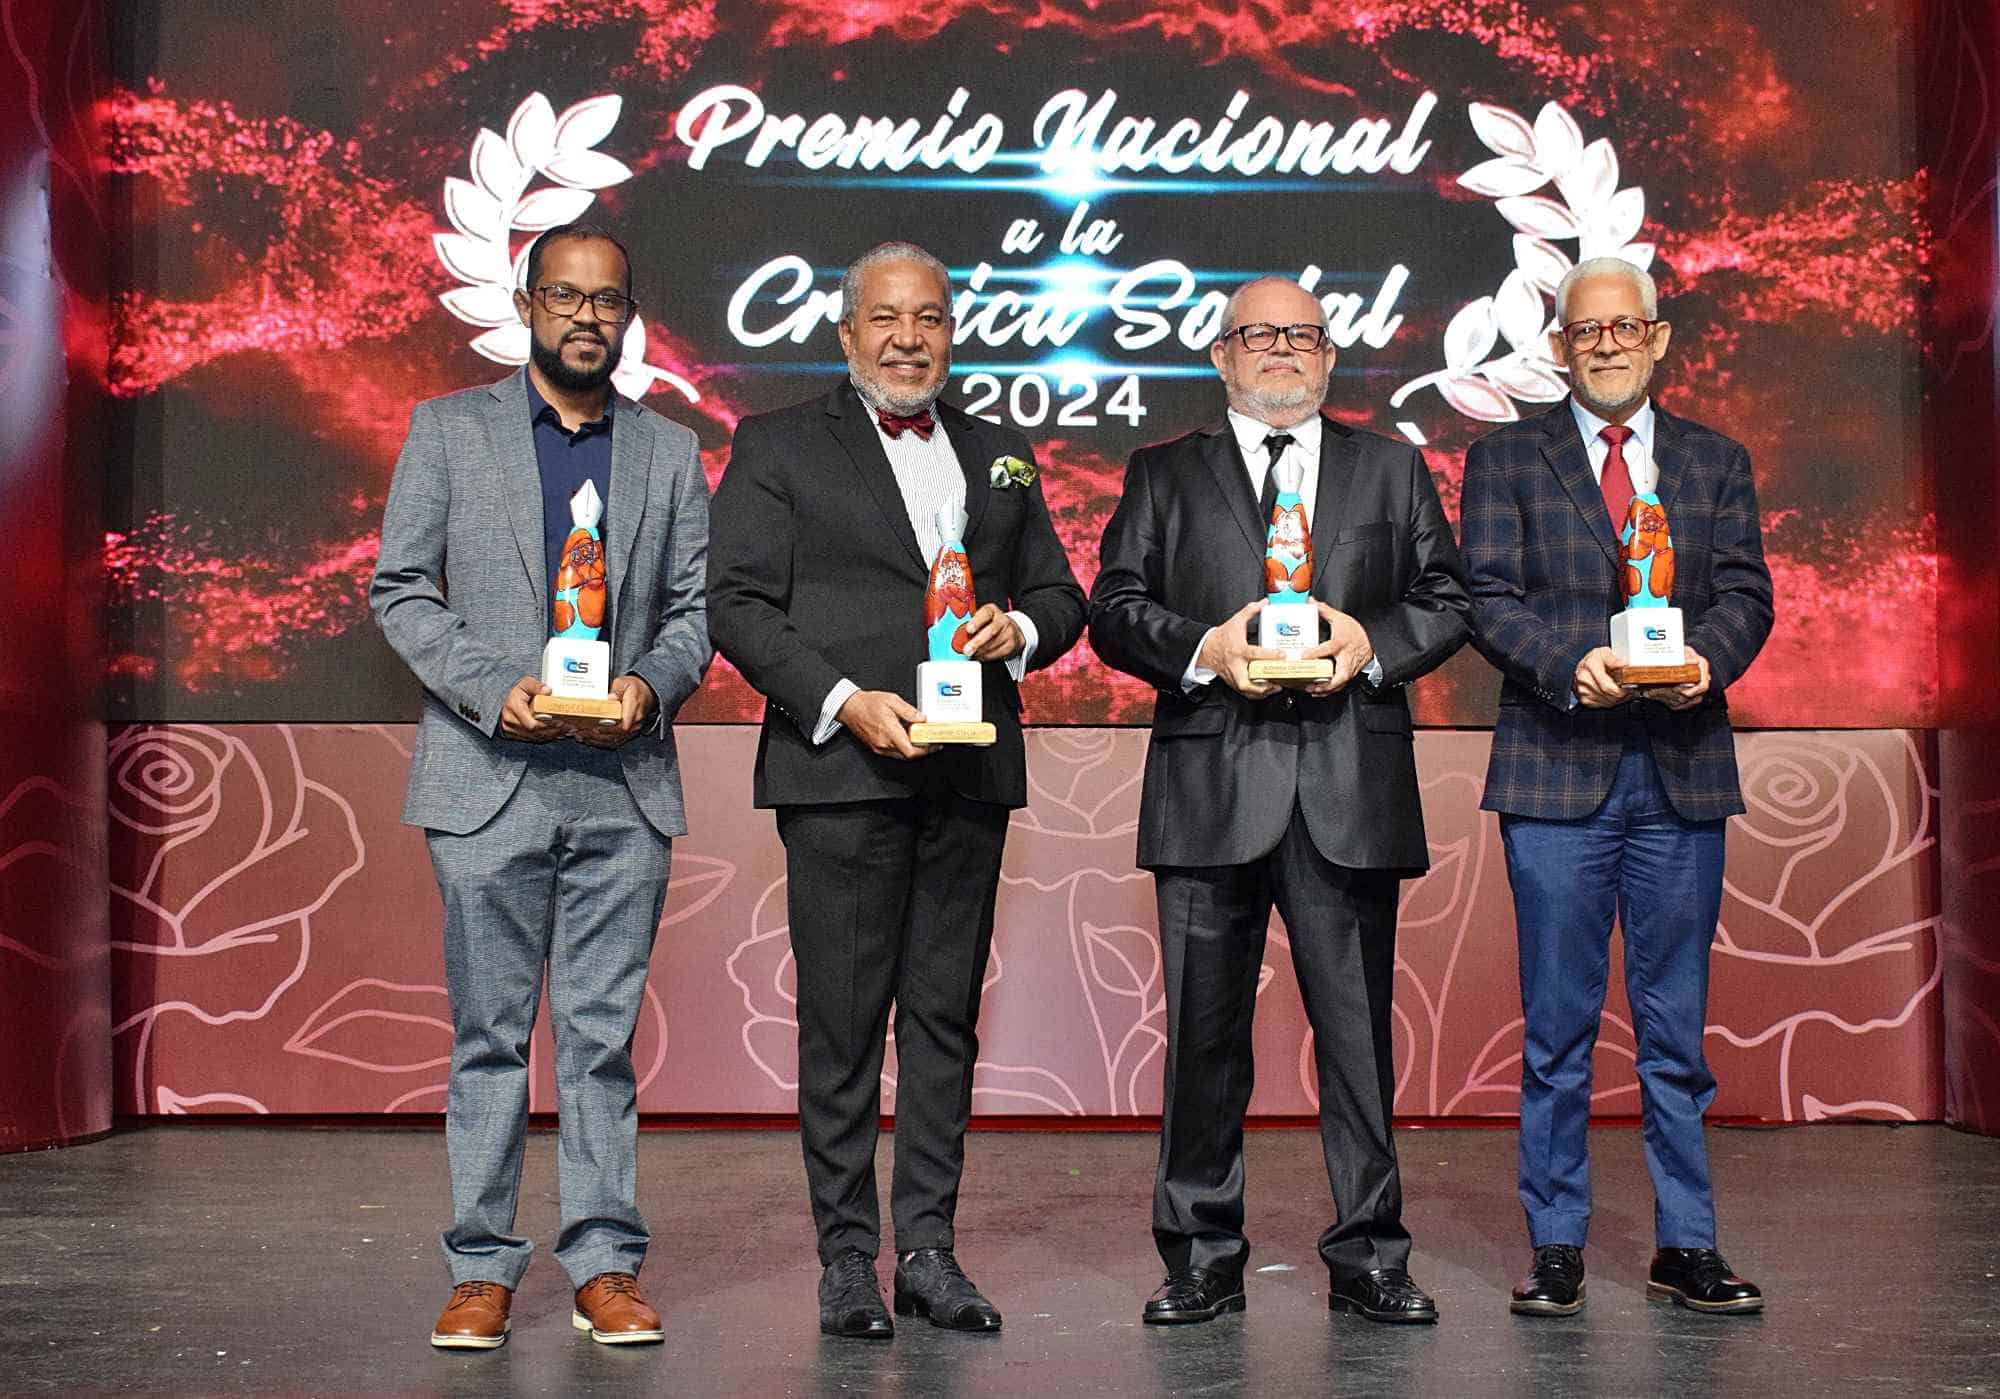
[
  {"x": 1671, "y": 455},
  {"x": 1338, "y": 449},
  {"x": 513, "y": 440},
  {"x": 857, "y": 433},
  {"x": 1232, "y": 478},
  {"x": 963, "y": 430},
  {"x": 1564, "y": 451},
  {"x": 631, "y": 479}
]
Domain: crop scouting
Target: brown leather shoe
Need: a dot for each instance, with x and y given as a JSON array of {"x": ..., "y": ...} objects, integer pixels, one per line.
[
  {"x": 475, "y": 1318},
  {"x": 610, "y": 1308}
]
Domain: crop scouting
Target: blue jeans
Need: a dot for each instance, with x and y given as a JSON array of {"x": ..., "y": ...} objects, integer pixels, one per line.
[{"x": 1661, "y": 875}]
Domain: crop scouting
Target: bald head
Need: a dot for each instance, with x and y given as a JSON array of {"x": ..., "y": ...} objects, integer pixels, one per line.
[
  {"x": 1276, "y": 300},
  {"x": 1279, "y": 385}
]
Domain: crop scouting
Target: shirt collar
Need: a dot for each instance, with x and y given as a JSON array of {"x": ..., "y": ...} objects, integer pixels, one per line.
[
  {"x": 1250, "y": 433},
  {"x": 1589, "y": 424},
  {"x": 539, "y": 407}
]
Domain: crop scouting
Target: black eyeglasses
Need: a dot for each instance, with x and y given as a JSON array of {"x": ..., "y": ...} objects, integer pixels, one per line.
[
  {"x": 1259, "y": 335},
  {"x": 1627, "y": 332},
  {"x": 560, "y": 300}
]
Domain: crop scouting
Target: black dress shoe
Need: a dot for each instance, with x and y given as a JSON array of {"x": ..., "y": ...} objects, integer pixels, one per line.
[
  {"x": 850, "y": 1299},
  {"x": 1193, "y": 1294},
  {"x": 1700, "y": 1280},
  {"x": 1382, "y": 1294},
  {"x": 930, "y": 1284},
  {"x": 1554, "y": 1285}
]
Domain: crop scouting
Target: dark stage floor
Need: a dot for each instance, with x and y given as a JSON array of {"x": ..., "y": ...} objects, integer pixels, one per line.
[{"x": 242, "y": 1260}]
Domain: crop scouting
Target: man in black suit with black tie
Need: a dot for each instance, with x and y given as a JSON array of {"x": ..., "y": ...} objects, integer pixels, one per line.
[
  {"x": 1255, "y": 795},
  {"x": 823, "y": 532}
]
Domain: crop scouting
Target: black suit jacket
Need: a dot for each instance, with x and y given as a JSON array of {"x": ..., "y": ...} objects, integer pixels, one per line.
[
  {"x": 815, "y": 574},
  {"x": 1544, "y": 568},
  {"x": 1183, "y": 551}
]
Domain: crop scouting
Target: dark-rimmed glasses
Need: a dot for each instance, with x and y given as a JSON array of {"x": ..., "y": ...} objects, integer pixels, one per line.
[
  {"x": 560, "y": 300},
  {"x": 1261, "y": 335},
  {"x": 1627, "y": 332}
]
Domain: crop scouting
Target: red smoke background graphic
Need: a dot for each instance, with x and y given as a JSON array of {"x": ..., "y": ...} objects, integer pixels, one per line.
[{"x": 280, "y": 311}]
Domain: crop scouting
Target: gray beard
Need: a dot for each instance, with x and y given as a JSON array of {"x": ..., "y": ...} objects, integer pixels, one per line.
[
  {"x": 882, "y": 400},
  {"x": 1280, "y": 410}
]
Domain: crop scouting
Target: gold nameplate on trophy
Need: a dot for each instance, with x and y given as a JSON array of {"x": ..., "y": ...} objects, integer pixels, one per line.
[
  {"x": 1292, "y": 674},
  {"x": 974, "y": 733},
  {"x": 1645, "y": 677},
  {"x": 578, "y": 713}
]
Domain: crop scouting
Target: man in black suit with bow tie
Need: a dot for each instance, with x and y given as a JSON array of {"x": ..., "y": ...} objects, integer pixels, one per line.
[
  {"x": 823, "y": 532},
  {"x": 1255, "y": 795}
]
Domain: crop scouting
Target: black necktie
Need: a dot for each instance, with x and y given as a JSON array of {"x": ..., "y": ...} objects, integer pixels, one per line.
[{"x": 1274, "y": 448}]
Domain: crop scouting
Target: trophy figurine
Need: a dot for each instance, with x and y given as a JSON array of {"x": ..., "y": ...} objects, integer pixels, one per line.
[
  {"x": 576, "y": 666},
  {"x": 1289, "y": 622},
  {"x": 948, "y": 685},
  {"x": 1647, "y": 635}
]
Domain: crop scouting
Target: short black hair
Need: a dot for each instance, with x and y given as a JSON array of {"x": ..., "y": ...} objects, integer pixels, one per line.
[{"x": 575, "y": 230}]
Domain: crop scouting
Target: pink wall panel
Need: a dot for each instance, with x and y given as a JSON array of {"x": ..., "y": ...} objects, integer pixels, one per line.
[{"x": 277, "y": 939}]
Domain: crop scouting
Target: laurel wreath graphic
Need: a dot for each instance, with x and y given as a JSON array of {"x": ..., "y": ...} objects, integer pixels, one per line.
[
  {"x": 1590, "y": 208},
  {"x": 497, "y": 203}
]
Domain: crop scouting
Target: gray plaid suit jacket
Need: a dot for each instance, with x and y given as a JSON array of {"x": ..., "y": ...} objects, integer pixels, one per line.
[
  {"x": 461, "y": 590},
  {"x": 1541, "y": 557}
]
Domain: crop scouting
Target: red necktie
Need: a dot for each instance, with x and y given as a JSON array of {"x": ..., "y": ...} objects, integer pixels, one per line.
[
  {"x": 1616, "y": 481},
  {"x": 922, "y": 424}
]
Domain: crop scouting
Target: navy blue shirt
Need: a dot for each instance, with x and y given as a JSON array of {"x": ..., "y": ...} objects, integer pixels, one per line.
[{"x": 567, "y": 460}]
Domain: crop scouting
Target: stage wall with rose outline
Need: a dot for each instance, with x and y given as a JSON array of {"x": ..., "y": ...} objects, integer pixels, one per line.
[{"x": 277, "y": 939}]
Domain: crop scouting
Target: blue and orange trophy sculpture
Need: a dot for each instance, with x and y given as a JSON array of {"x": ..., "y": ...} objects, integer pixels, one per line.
[
  {"x": 948, "y": 685},
  {"x": 1289, "y": 622},
  {"x": 576, "y": 666},
  {"x": 1647, "y": 636}
]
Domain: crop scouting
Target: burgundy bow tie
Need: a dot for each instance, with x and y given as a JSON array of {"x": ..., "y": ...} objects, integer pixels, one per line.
[{"x": 922, "y": 424}]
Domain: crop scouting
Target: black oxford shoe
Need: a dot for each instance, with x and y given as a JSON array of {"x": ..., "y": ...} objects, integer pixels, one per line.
[
  {"x": 1554, "y": 1285},
  {"x": 850, "y": 1299},
  {"x": 930, "y": 1284},
  {"x": 1193, "y": 1294},
  {"x": 1699, "y": 1279},
  {"x": 1382, "y": 1294}
]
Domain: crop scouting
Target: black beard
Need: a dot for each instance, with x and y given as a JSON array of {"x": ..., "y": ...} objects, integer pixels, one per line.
[{"x": 550, "y": 362}]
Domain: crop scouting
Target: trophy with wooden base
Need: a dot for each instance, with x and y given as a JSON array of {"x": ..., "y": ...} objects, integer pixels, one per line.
[
  {"x": 948, "y": 685},
  {"x": 1647, "y": 636},
  {"x": 576, "y": 666},
  {"x": 1289, "y": 622}
]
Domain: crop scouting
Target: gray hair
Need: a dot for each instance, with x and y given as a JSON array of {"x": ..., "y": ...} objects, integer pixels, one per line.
[
  {"x": 1229, "y": 311},
  {"x": 850, "y": 285},
  {"x": 1639, "y": 277}
]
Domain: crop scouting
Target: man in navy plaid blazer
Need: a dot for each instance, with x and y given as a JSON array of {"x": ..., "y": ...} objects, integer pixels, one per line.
[{"x": 1612, "y": 800}]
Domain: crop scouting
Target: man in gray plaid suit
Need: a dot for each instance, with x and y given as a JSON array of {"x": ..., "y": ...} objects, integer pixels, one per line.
[
  {"x": 1612, "y": 801},
  {"x": 548, "y": 850}
]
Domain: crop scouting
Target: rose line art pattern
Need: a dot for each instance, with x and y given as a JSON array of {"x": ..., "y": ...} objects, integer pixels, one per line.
[{"x": 276, "y": 939}]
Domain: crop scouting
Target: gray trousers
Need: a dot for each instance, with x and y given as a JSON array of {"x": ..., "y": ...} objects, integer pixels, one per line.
[{"x": 571, "y": 875}]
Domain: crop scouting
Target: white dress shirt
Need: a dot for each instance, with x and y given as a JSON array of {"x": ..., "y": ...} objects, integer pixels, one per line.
[
  {"x": 929, "y": 476},
  {"x": 1304, "y": 450},
  {"x": 1589, "y": 424}
]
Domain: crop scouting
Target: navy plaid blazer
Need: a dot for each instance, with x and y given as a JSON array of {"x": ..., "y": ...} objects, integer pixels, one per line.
[{"x": 1541, "y": 558}]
